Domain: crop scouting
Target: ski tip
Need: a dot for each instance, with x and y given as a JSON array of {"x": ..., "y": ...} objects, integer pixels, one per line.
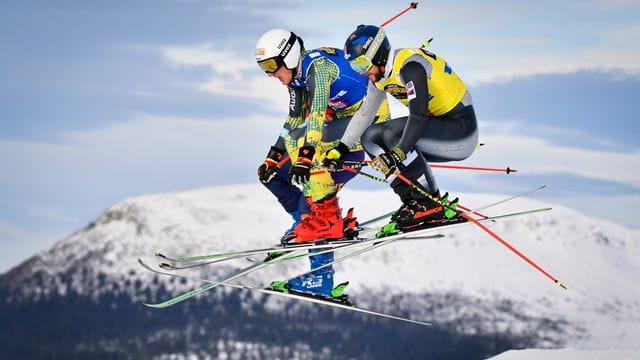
[
  {"x": 559, "y": 283},
  {"x": 144, "y": 264},
  {"x": 153, "y": 306},
  {"x": 160, "y": 255},
  {"x": 166, "y": 266}
]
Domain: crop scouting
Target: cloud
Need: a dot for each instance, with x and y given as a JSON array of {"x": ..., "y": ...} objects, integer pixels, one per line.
[
  {"x": 232, "y": 74},
  {"x": 62, "y": 185},
  {"x": 143, "y": 155},
  {"x": 221, "y": 62},
  {"x": 518, "y": 38},
  {"x": 617, "y": 4}
]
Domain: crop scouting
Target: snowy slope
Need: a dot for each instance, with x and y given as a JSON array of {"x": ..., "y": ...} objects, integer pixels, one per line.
[
  {"x": 598, "y": 261},
  {"x": 568, "y": 354}
]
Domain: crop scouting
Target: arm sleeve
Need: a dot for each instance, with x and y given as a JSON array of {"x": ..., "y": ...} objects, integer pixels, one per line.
[
  {"x": 364, "y": 116},
  {"x": 297, "y": 109},
  {"x": 322, "y": 73},
  {"x": 415, "y": 73}
]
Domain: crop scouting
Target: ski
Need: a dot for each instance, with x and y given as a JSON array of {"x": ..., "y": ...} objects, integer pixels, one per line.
[
  {"x": 413, "y": 235},
  {"x": 282, "y": 256},
  {"x": 278, "y": 247},
  {"x": 377, "y": 243},
  {"x": 242, "y": 253},
  {"x": 410, "y": 237},
  {"x": 210, "y": 285},
  {"x": 296, "y": 296},
  {"x": 319, "y": 300},
  {"x": 168, "y": 266},
  {"x": 321, "y": 244},
  {"x": 390, "y": 239},
  {"x": 244, "y": 271}
]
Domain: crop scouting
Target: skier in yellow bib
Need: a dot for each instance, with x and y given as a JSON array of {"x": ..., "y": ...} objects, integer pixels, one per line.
[{"x": 441, "y": 125}]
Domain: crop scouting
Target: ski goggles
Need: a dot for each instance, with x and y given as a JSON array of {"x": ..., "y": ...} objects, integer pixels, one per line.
[
  {"x": 271, "y": 65},
  {"x": 361, "y": 64}
]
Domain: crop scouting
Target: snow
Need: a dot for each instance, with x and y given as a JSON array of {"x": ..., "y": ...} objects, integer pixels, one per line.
[
  {"x": 598, "y": 261},
  {"x": 568, "y": 354}
]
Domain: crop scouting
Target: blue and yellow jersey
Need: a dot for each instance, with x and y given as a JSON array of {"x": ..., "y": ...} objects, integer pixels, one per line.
[
  {"x": 346, "y": 87},
  {"x": 324, "y": 88},
  {"x": 332, "y": 86}
]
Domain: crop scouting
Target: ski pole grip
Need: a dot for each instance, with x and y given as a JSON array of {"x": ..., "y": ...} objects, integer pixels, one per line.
[{"x": 413, "y": 5}]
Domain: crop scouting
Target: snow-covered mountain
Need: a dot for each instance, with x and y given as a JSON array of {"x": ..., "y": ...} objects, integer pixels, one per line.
[
  {"x": 478, "y": 293},
  {"x": 569, "y": 354}
]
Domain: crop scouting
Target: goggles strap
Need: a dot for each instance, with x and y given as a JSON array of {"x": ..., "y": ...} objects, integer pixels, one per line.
[
  {"x": 289, "y": 46},
  {"x": 375, "y": 44}
]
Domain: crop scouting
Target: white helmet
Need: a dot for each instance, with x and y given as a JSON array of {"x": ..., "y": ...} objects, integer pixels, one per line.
[{"x": 278, "y": 47}]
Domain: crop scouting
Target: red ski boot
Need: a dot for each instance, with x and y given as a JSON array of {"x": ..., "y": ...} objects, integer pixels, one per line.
[{"x": 324, "y": 222}]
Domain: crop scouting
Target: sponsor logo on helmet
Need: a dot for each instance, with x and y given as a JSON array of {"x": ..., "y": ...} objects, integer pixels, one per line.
[
  {"x": 282, "y": 42},
  {"x": 284, "y": 52},
  {"x": 367, "y": 43},
  {"x": 260, "y": 52}
]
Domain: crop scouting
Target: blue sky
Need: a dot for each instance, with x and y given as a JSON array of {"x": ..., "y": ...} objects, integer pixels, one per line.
[{"x": 100, "y": 101}]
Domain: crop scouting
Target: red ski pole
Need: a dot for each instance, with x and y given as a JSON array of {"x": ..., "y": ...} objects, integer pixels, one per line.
[
  {"x": 283, "y": 161},
  {"x": 507, "y": 170},
  {"x": 487, "y": 230},
  {"x": 413, "y": 5}
]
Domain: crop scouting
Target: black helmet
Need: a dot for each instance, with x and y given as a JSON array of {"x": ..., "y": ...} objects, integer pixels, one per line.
[{"x": 363, "y": 42}]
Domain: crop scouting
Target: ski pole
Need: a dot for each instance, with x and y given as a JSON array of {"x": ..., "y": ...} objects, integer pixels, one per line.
[
  {"x": 486, "y": 229},
  {"x": 372, "y": 177},
  {"x": 507, "y": 170},
  {"x": 413, "y": 5},
  {"x": 283, "y": 161},
  {"x": 353, "y": 170},
  {"x": 383, "y": 180}
]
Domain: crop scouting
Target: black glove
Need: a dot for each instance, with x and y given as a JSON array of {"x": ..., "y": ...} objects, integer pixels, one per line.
[
  {"x": 269, "y": 168},
  {"x": 387, "y": 163},
  {"x": 334, "y": 158},
  {"x": 300, "y": 172}
]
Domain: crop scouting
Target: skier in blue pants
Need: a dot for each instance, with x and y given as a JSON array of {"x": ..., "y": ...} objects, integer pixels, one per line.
[
  {"x": 294, "y": 203},
  {"x": 324, "y": 94}
]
